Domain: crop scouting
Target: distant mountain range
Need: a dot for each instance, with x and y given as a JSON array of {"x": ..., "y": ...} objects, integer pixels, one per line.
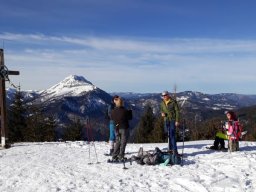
[{"x": 76, "y": 97}]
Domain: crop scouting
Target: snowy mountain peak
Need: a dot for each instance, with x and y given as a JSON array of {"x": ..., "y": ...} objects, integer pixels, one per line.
[
  {"x": 74, "y": 80},
  {"x": 72, "y": 85}
]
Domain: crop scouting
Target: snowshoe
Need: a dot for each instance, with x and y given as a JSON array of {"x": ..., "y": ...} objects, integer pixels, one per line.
[
  {"x": 224, "y": 149},
  {"x": 117, "y": 160},
  {"x": 217, "y": 148},
  {"x": 212, "y": 148}
]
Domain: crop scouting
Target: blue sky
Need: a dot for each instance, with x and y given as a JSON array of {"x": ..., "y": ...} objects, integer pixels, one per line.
[{"x": 132, "y": 45}]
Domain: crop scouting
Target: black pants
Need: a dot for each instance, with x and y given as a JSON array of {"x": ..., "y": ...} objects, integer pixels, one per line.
[
  {"x": 121, "y": 141},
  {"x": 218, "y": 141}
]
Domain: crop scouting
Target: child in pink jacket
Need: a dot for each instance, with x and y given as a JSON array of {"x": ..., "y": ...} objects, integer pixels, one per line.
[{"x": 233, "y": 131}]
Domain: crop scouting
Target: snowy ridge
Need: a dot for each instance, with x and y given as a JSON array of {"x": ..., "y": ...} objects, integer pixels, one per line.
[
  {"x": 72, "y": 85},
  {"x": 10, "y": 93},
  {"x": 64, "y": 166},
  {"x": 76, "y": 95}
]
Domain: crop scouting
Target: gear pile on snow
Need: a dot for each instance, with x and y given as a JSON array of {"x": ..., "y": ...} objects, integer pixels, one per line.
[{"x": 157, "y": 157}]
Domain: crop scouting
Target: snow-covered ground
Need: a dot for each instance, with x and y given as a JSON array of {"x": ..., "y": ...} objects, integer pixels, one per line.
[{"x": 32, "y": 167}]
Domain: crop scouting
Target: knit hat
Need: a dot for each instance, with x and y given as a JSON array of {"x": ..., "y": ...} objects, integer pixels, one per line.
[
  {"x": 115, "y": 97},
  {"x": 165, "y": 93}
]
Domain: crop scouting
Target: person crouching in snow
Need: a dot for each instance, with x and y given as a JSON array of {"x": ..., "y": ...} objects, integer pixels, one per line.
[{"x": 231, "y": 131}]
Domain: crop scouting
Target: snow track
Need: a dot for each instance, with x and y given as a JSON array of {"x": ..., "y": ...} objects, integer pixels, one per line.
[{"x": 30, "y": 167}]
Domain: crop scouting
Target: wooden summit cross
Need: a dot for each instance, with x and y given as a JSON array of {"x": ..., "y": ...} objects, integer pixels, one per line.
[{"x": 4, "y": 72}]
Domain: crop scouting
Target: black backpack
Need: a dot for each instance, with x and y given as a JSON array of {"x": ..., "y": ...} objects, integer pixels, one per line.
[{"x": 129, "y": 114}]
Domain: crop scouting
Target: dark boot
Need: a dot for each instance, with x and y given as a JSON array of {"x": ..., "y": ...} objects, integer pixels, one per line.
[
  {"x": 216, "y": 143},
  {"x": 222, "y": 144},
  {"x": 237, "y": 146},
  {"x": 213, "y": 147},
  {"x": 111, "y": 151}
]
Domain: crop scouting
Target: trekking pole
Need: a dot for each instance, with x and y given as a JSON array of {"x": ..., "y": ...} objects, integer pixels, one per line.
[
  {"x": 124, "y": 165},
  {"x": 95, "y": 151},
  {"x": 230, "y": 146},
  {"x": 183, "y": 138},
  {"x": 93, "y": 142},
  {"x": 90, "y": 162},
  {"x": 90, "y": 138},
  {"x": 168, "y": 135}
]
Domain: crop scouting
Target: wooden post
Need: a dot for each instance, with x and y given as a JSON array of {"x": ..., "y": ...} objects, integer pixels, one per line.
[
  {"x": 2, "y": 102},
  {"x": 4, "y": 72},
  {"x": 175, "y": 91}
]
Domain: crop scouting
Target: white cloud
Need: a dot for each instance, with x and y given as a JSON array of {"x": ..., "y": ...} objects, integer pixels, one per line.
[
  {"x": 182, "y": 46},
  {"x": 117, "y": 64}
]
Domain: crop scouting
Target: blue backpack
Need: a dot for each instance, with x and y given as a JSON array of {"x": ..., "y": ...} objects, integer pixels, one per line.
[{"x": 172, "y": 159}]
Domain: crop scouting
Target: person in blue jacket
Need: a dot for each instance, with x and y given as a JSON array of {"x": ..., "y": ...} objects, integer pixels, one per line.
[{"x": 112, "y": 136}]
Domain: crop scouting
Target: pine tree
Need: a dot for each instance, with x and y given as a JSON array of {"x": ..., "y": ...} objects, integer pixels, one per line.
[
  {"x": 17, "y": 118},
  {"x": 157, "y": 135},
  {"x": 145, "y": 126},
  {"x": 48, "y": 132},
  {"x": 40, "y": 128},
  {"x": 73, "y": 132},
  {"x": 35, "y": 124}
]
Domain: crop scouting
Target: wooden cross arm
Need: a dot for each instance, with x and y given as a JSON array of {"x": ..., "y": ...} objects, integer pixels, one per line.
[{"x": 13, "y": 72}]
